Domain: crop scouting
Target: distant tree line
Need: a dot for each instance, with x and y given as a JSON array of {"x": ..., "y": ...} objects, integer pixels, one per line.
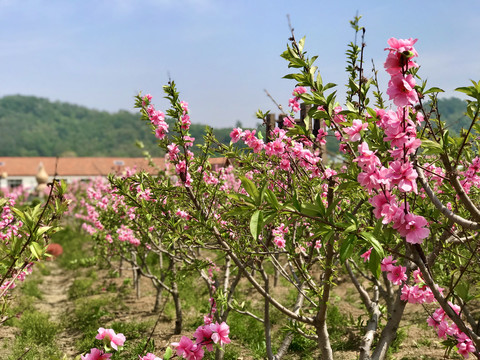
[{"x": 32, "y": 126}]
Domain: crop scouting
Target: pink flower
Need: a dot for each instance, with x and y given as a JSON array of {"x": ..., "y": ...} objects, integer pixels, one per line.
[
  {"x": 184, "y": 106},
  {"x": 385, "y": 206},
  {"x": 397, "y": 275},
  {"x": 181, "y": 167},
  {"x": 110, "y": 338},
  {"x": 203, "y": 336},
  {"x": 366, "y": 255},
  {"x": 366, "y": 156},
  {"x": 401, "y": 52},
  {"x": 299, "y": 90},
  {"x": 182, "y": 214},
  {"x": 387, "y": 263},
  {"x": 149, "y": 356},
  {"x": 353, "y": 131},
  {"x": 96, "y": 354},
  {"x": 413, "y": 228},
  {"x": 402, "y": 90},
  {"x": 400, "y": 56},
  {"x": 220, "y": 333},
  {"x": 293, "y": 103},
  {"x": 146, "y": 100},
  {"x": 288, "y": 122},
  {"x": 465, "y": 346},
  {"x": 402, "y": 45},
  {"x": 236, "y": 134},
  {"x": 404, "y": 175},
  {"x": 188, "y": 350}
]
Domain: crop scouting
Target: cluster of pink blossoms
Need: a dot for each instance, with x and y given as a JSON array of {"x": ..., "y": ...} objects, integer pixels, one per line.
[
  {"x": 400, "y": 131},
  {"x": 185, "y": 118},
  {"x": 205, "y": 336},
  {"x": 401, "y": 87},
  {"x": 110, "y": 340},
  {"x": 440, "y": 321},
  {"x": 420, "y": 293},
  {"x": 470, "y": 176},
  {"x": 104, "y": 197},
  {"x": 157, "y": 118},
  {"x": 283, "y": 148},
  {"x": 174, "y": 157},
  {"x": 19, "y": 275},
  {"x": 8, "y": 225},
  {"x": 9, "y": 228},
  {"x": 278, "y": 235},
  {"x": 293, "y": 102},
  {"x": 127, "y": 234}
]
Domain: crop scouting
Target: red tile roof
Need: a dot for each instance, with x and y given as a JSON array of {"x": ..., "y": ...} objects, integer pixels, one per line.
[
  {"x": 73, "y": 166},
  {"x": 81, "y": 166}
]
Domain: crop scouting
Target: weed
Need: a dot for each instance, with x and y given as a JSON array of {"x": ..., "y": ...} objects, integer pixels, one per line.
[
  {"x": 80, "y": 288},
  {"x": 341, "y": 335},
  {"x": 249, "y": 332},
  {"x": 424, "y": 342},
  {"x": 397, "y": 342},
  {"x": 44, "y": 270},
  {"x": 73, "y": 241},
  {"x": 37, "y": 329},
  {"x": 133, "y": 330},
  {"x": 30, "y": 288},
  {"x": 87, "y": 313},
  {"x": 301, "y": 344},
  {"x": 38, "y": 334}
]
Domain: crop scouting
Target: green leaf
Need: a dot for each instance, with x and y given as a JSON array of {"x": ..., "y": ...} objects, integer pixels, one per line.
[
  {"x": 42, "y": 230},
  {"x": 301, "y": 44},
  {"x": 433, "y": 90},
  {"x": 239, "y": 210},
  {"x": 36, "y": 250},
  {"x": 168, "y": 353},
  {"x": 462, "y": 291},
  {"x": 431, "y": 147},
  {"x": 374, "y": 264},
  {"x": 272, "y": 199},
  {"x": 256, "y": 224},
  {"x": 262, "y": 194},
  {"x": 370, "y": 239},
  {"x": 296, "y": 203},
  {"x": 310, "y": 210},
  {"x": 346, "y": 249},
  {"x": 250, "y": 187}
]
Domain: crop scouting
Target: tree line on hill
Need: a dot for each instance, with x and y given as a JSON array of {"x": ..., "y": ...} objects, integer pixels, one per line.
[{"x": 32, "y": 126}]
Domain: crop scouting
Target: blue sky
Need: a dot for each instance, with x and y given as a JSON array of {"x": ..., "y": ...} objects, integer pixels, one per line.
[{"x": 221, "y": 53}]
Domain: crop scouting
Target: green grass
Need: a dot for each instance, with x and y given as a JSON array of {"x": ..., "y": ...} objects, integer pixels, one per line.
[
  {"x": 30, "y": 288},
  {"x": 38, "y": 334},
  {"x": 249, "y": 332},
  {"x": 80, "y": 288},
  {"x": 73, "y": 243}
]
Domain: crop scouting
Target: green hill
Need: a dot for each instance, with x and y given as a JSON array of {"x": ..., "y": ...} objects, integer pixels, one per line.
[
  {"x": 32, "y": 126},
  {"x": 452, "y": 112}
]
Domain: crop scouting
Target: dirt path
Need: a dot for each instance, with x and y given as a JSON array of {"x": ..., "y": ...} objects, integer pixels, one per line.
[{"x": 55, "y": 302}]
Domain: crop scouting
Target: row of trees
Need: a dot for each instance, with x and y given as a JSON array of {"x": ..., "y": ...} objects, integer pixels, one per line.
[
  {"x": 399, "y": 214},
  {"x": 399, "y": 217}
]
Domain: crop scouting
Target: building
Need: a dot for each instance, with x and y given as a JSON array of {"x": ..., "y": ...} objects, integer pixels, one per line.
[{"x": 22, "y": 171}]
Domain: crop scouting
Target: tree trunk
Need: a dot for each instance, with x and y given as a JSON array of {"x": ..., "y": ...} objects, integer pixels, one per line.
[
  {"x": 158, "y": 298},
  {"x": 178, "y": 310}
]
